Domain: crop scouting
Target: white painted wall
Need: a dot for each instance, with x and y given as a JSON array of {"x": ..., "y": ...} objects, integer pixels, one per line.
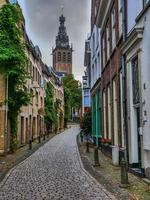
[
  {"x": 143, "y": 48},
  {"x": 95, "y": 55},
  {"x": 145, "y": 78},
  {"x": 132, "y": 126}
]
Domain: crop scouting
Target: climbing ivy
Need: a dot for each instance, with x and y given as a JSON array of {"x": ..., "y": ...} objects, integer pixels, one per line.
[
  {"x": 67, "y": 108},
  {"x": 50, "y": 107},
  {"x": 13, "y": 62}
]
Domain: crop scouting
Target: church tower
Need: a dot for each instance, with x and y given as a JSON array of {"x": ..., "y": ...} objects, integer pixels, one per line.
[{"x": 62, "y": 54}]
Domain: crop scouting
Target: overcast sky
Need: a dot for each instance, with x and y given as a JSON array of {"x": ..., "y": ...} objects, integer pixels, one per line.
[{"x": 42, "y": 22}]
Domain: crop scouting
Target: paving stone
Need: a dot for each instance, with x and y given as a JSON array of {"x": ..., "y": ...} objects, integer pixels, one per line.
[{"x": 53, "y": 172}]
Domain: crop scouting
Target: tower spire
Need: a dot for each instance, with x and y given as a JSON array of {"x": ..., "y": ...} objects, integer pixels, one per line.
[
  {"x": 62, "y": 54},
  {"x": 62, "y": 9}
]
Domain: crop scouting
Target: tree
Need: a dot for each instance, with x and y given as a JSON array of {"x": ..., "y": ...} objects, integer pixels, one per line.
[
  {"x": 67, "y": 101},
  {"x": 72, "y": 95},
  {"x": 50, "y": 114},
  {"x": 86, "y": 123}
]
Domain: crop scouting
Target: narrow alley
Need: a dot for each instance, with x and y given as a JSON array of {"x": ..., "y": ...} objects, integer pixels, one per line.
[{"x": 53, "y": 172}]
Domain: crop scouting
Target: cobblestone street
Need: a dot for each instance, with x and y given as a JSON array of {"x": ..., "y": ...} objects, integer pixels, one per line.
[{"x": 53, "y": 172}]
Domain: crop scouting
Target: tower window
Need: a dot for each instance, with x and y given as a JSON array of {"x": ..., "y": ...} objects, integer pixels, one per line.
[
  {"x": 59, "y": 56},
  {"x": 64, "y": 57},
  {"x": 69, "y": 57}
]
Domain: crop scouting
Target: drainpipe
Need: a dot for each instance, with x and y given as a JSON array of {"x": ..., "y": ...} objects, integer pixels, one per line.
[
  {"x": 6, "y": 117},
  {"x": 125, "y": 117}
]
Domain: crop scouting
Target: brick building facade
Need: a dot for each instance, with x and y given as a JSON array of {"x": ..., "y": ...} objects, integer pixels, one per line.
[{"x": 31, "y": 123}]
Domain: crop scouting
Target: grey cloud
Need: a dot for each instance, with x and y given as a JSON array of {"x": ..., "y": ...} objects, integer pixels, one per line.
[{"x": 43, "y": 21}]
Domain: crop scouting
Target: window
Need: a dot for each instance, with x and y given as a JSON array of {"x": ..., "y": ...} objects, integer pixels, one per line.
[
  {"x": 59, "y": 56},
  {"x": 97, "y": 38},
  {"x": 103, "y": 51},
  {"x": 41, "y": 102},
  {"x": 40, "y": 79},
  {"x": 108, "y": 41},
  {"x": 64, "y": 57},
  {"x": 33, "y": 74},
  {"x": 36, "y": 98},
  {"x": 120, "y": 16},
  {"x": 31, "y": 70},
  {"x": 31, "y": 93},
  {"x": 135, "y": 80},
  {"x": 98, "y": 65},
  {"x": 86, "y": 101},
  {"x": 95, "y": 74},
  {"x": 69, "y": 57},
  {"x": 113, "y": 28},
  {"x": 93, "y": 42},
  {"x": 95, "y": 10},
  {"x": 36, "y": 74},
  {"x": 86, "y": 92}
]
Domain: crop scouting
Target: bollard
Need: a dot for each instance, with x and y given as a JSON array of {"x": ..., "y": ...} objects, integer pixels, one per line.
[
  {"x": 87, "y": 147},
  {"x": 124, "y": 173},
  {"x": 30, "y": 144},
  {"x": 96, "y": 157},
  {"x": 44, "y": 137}
]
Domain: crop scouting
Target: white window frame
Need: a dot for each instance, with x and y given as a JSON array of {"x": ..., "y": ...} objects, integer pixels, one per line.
[
  {"x": 103, "y": 52},
  {"x": 120, "y": 10},
  {"x": 113, "y": 27},
  {"x": 108, "y": 41}
]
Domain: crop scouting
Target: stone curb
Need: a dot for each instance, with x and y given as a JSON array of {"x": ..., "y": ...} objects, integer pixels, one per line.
[
  {"x": 89, "y": 175},
  {"x": 126, "y": 195}
]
